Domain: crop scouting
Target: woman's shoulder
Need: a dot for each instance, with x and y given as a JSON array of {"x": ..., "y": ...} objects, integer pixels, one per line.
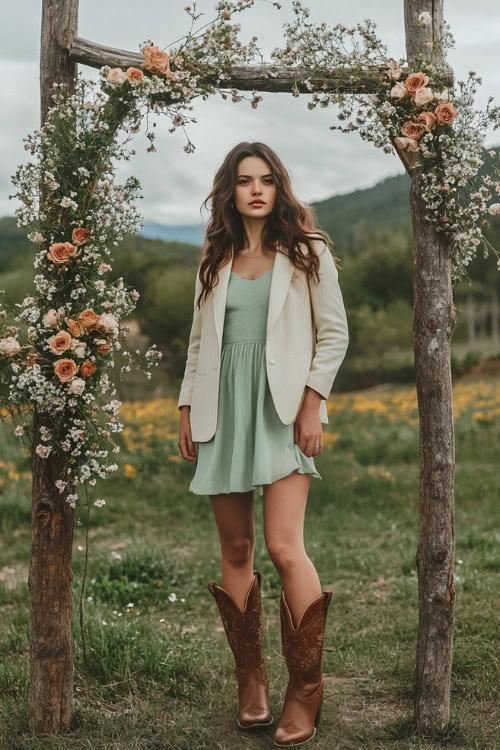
[{"x": 318, "y": 243}]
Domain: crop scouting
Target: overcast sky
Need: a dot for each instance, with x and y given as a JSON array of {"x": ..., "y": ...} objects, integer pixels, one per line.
[{"x": 321, "y": 162}]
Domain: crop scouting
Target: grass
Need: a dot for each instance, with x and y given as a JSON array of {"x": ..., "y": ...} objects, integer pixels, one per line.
[{"x": 161, "y": 672}]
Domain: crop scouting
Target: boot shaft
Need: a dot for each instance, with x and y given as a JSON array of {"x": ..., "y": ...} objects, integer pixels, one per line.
[
  {"x": 244, "y": 629},
  {"x": 302, "y": 646}
]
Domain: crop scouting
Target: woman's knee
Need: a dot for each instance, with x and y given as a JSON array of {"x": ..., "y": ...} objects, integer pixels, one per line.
[
  {"x": 284, "y": 554},
  {"x": 238, "y": 551}
]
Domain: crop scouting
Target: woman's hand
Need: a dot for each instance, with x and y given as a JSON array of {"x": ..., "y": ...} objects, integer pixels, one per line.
[
  {"x": 307, "y": 427},
  {"x": 186, "y": 445}
]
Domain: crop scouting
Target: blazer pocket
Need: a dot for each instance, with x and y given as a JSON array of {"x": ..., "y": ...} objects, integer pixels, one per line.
[{"x": 200, "y": 372}]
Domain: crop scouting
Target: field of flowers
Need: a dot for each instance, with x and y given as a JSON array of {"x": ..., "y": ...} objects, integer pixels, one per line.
[
  {"x": 160, "y": 671},
  {"x": 381, "y": 424}
]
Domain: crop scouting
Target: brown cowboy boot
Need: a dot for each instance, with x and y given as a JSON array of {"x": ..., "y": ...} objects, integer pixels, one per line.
[
  {"x": 303, "y": 652},
  {"x": 244, "y": 631}
]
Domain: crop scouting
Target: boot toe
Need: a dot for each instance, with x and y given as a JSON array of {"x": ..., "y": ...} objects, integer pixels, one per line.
[
  {"x": 254, "y": 716},
  {"x": 291, "y": 734}
]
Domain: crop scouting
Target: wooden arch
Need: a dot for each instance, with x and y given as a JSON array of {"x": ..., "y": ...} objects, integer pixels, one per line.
[{"x": 50, "y": 572}]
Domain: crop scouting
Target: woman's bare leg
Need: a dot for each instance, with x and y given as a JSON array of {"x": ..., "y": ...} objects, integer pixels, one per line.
[
  {"x": 284, "y": 510},
  {"x": 235, "y": 521}
]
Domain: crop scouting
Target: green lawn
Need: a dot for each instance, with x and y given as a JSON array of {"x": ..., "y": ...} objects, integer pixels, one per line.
[{"x": 161, "y": 672}]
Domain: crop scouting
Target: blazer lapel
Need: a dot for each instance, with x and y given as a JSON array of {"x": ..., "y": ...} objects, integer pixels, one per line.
[{"x": 280, "y": 281}]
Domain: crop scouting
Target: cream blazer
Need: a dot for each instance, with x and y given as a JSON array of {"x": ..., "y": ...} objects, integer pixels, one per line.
[{"x": 306, "y": 340}]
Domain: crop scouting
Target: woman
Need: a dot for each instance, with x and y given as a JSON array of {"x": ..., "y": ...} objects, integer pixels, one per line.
[{"x": 269, "y": 334}]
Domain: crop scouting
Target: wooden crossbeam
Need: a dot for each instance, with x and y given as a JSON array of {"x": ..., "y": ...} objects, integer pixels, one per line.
[{"x": 249, "y": 77}]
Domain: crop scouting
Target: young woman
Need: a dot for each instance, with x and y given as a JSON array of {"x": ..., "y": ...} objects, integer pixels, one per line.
[{"x": 268, "y": 336}]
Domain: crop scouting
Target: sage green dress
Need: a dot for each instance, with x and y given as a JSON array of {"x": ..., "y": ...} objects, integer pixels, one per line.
[{"x": 251, "y": 445}]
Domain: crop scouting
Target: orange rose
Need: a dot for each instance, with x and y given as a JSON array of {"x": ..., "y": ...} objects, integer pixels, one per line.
[
  {"x": 428, "y": 120},
  {"x": 88, "y": 318},
  {"x": 80, "y": 235},
  {"x": 134, "y": 74},
  {"x": 59, "y": 342},
  {"x": 104, "y": 348},
  {"x": 445, "y": 113},
  {"x": 74, "y": 327},
  {"x": 87, "y": 368},
  {"x": 65, "y": 369},
  {"x": 156, "y": 61},
  {"x": 60, "y": 252},
  {"x": 416, "y": 81},
  {"x": 413, "y": 130}
]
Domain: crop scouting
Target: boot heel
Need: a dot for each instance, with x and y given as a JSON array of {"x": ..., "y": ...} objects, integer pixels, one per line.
[{"x": 318, "y": 716}]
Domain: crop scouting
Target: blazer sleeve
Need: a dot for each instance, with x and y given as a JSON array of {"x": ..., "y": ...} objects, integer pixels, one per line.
[
  {"x": 330, "y": 323},
  {"x": 193, "y": 350}
]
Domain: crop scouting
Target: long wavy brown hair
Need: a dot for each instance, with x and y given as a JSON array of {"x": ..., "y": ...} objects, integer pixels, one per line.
[{"x": 290, "y": 223}]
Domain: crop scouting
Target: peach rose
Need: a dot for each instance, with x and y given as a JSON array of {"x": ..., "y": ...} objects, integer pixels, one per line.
[
  {"x": 65, "y": 369},
  {"x": 393, "y": 68},
  {"x": 77, "y": 386},
  {"x": 116, "y": 77},
  {"x": 413, "y": 130},
  {"x": 398, "y": 90},
  {"x": 87, "y": 368},
  {"x": 104, "y": 348},
  {"x": 416, "y": 81},
  {"x": 428, "y": 120},
  {"x": 80, "y": 236},
  {"x": 60, "y": 342},
  {"x": 60, "y": 252},
  {"x": 445, "y": 113},
  {"x": 407, "y": 143},
  {"x": 88, "y": 318},
  {"x": 74, "y": 327},
  {"x": 107, "y": 323},
  {"x": 9, "y": 346},
  {"x": 134, "y": 74},
  {"x": 50, "y": 319},
  {"x": 422, "y": 96},
  {"x": 156, "y": 61}
]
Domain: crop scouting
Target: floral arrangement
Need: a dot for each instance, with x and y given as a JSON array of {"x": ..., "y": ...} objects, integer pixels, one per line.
[
  {"x": 76, "y": 212},
  {"x": 438, "y": 130}
]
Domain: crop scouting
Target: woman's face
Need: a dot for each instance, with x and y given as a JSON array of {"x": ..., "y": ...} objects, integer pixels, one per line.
[{"x": 254, "y": 182}]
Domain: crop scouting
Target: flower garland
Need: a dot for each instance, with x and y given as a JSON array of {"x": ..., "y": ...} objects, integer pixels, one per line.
[
  {"x": 76, "y": 212},
  {"x": 411, "y": 111}
]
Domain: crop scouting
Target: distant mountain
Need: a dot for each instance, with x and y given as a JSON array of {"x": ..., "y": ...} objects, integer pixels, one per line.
[
  {"x": 349, "y": 219},
  {"x": 355, "y": 221},
  {"x": 190, "y": 234}
]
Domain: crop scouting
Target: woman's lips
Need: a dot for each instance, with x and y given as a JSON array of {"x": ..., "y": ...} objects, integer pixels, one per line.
[{"x": 258, "y": 203}]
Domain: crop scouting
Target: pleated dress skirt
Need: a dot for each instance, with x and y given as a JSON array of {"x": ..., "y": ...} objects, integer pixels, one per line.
[{"x": 251, "y": 446}]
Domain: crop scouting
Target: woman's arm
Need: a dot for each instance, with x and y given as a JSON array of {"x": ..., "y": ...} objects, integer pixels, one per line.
[
  {"x": 330, "y": 321},
  {"x": 193, "y": 349}
]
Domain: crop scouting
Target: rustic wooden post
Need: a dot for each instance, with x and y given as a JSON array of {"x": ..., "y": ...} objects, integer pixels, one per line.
[
  {"x": 52, "y": 518},
  {"x": 434, "y": 322}
]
